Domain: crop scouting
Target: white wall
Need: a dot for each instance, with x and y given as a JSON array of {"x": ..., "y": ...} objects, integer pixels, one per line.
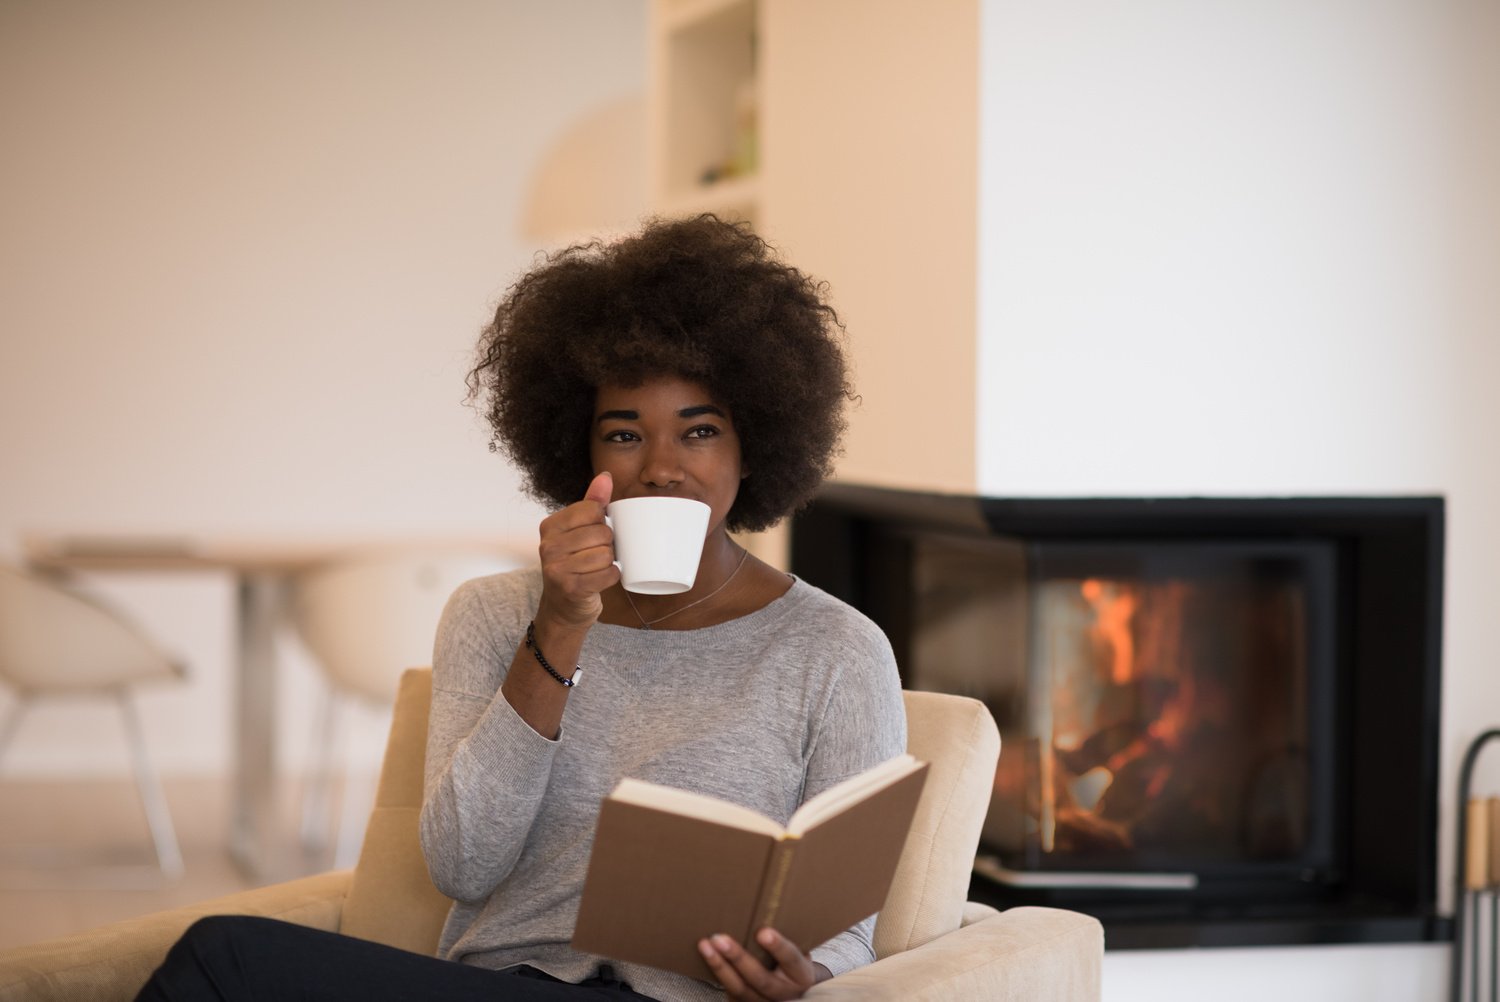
[
  {"x": 245, "y": 252},
  {"x": 1250, "y": 248}
]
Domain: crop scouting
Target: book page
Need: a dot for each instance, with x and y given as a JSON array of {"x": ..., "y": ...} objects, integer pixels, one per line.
[
  {"x": 694, "y": 805},
  {"x": 838, "y": 797}
]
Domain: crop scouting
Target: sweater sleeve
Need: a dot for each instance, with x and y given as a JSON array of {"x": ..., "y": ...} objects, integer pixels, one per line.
[
  {"x": 486, "y": 769},
  {"x": 863, "y": 724}
]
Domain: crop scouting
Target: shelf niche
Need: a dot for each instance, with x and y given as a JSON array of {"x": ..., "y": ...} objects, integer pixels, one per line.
[{"x": 707, "y": 102}]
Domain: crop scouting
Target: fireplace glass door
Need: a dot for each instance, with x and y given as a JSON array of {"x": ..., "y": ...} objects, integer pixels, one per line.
[{"x": 1166, "y": 707}]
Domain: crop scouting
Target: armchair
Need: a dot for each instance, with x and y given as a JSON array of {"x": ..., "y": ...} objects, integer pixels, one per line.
[{"x": 931, "y": 944}]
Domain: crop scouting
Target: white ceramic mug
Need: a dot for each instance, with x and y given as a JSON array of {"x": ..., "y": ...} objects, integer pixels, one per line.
[{"x": 658, "y": 542}]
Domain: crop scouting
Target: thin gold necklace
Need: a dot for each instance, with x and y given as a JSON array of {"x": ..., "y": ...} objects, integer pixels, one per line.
[{"x": 645, "y": 625}]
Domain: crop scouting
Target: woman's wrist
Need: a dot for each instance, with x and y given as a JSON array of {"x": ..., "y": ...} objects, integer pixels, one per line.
[
  {"x": 557, "y": 623},
  {"x": 532, "y": 645}
]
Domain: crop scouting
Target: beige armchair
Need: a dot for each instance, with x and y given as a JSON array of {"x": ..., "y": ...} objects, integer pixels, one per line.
[{"x": 932, "y": 945}]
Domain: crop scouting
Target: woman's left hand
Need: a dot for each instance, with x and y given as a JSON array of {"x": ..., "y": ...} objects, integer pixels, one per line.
[{"x": 746, "y": 979}]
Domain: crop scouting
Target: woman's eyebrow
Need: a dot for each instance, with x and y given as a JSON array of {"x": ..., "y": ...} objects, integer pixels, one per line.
[
  {"x": 686, "y": 412},
  {"x": 692, "y": 412}
]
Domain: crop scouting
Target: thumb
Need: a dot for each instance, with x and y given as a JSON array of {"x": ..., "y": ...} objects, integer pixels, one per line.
[{"x": 601, "y": 488}]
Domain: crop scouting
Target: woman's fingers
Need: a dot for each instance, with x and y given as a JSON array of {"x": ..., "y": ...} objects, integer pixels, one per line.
[
  {"x": 746, "y": 979},
  {"x": 720, "y": 952},
  {"x": 791, "y": 963},
  {"x": 579, "y": 530},
  {"x": 600, "y": 490},
  {"x": 580, "y": 545},
  {"x": 577, "y": 554}
]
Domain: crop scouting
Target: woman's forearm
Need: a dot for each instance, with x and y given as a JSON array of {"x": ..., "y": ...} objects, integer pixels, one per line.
[{"x": 484, "y": 789}]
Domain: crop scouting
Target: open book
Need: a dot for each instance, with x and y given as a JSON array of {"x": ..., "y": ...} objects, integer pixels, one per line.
[{"x": 670, "y": 867}]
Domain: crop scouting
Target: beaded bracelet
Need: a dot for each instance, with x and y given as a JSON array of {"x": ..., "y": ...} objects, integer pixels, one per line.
[{"x": 537, "y": 651}]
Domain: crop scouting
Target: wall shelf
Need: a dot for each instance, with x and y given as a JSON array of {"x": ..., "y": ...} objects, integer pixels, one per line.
[{"x": 705, "y": 106}]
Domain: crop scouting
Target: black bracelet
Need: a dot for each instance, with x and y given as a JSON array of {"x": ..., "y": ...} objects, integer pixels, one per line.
[{"x": 531, "y": 643}]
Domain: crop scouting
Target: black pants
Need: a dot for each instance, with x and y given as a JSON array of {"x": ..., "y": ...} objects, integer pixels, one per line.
[{"x": 238, "y": 958}]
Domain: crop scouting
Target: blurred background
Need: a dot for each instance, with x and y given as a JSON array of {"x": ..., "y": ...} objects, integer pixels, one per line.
[
  {"x": 1246, "y": 248},
  {"x": 246, "y": 255}
]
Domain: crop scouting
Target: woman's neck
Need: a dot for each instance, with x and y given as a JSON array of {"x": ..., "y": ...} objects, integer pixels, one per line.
[{"x": 730, "y": 583}]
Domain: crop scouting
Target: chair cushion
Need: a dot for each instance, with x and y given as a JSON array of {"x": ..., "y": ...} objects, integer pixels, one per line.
[
  {"x": 959, "y": 738},
  {"x": 1018, "y": 955},
  {"x": 113, "y": 961}
]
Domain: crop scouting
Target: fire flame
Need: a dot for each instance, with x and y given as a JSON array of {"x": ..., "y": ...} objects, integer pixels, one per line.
[
  {"x": 1135, "y": 634},
  {"x": 1114, "y": 609}
]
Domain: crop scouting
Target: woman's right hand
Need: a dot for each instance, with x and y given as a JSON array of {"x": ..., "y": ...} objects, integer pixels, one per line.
[{"x": 578, "y": 560}]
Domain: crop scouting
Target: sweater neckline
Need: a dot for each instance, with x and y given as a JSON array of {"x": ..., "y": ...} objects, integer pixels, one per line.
[{"x": 728, "y": 631}]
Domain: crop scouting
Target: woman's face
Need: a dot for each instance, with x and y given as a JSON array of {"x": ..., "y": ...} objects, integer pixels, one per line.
[{"x": 667, "y": 437}]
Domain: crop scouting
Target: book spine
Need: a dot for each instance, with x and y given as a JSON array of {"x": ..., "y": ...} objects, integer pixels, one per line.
[{"x": 770, "y": 896}]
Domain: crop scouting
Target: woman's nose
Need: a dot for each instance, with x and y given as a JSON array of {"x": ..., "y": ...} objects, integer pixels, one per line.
[{"x": 662, "y": 466}]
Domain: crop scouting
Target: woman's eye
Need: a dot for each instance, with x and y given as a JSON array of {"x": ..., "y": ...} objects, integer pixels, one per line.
[
  {"x": 620, "y": 436},
  {"x": 703, "y": 431}
]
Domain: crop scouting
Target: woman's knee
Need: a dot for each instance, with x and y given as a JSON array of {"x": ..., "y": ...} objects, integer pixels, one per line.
[
  {"x": 218, "y": 933},
  {"x": 217, "y": 957}
]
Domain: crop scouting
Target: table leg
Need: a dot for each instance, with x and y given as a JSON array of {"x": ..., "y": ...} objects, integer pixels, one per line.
[{"x": 254, "y": 828}]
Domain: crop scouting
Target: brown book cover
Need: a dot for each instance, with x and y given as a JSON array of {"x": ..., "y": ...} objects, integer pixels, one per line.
[{"x": 670, "y": 867}]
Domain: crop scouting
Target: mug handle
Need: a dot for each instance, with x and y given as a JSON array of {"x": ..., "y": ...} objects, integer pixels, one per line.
[{"x": 611, "y": 523}]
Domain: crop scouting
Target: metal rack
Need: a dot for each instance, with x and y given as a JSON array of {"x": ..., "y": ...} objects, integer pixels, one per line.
[{"x": 1476, "y": 883}]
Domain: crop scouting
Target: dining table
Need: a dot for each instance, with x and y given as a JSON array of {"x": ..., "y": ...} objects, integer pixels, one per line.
[{"x": 263, "y": 568}]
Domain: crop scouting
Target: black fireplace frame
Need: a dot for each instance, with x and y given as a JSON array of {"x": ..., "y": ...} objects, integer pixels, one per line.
[{"x": 1390, "y": 563}]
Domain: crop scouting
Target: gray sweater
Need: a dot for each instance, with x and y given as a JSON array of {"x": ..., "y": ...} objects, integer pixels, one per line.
[{"x": 765, "y": 710}]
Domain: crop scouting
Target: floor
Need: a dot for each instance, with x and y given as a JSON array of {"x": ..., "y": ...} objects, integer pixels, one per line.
[{"x": 77, "y": 854}]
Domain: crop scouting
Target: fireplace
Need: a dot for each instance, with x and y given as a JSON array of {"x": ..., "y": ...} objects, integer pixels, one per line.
[{"x": 1219, "y": 716}]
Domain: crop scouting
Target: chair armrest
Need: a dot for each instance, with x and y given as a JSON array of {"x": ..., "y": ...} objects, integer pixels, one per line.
[
  {"x": 1018, "y": 955},
  {"x": 974, "y": 911},
  {"x": 113, "y": 961}
]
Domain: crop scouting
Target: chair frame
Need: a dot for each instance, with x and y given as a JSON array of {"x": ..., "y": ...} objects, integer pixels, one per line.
[
  {"x": 61, "y": 643},
  {"x": 148, "y": 785}
]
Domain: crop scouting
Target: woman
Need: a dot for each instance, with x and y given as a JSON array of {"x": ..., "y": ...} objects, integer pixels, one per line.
[{"x": 684, "y": 361}]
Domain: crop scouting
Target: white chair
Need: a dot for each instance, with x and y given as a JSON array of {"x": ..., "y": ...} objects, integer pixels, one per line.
[
  {"x": 366, "y": 619},
  {"x": 55, "y": 642}
]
